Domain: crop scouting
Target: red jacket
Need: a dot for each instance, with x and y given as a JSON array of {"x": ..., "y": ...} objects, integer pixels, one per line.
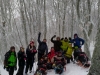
[{"x": 51, "y": 54}]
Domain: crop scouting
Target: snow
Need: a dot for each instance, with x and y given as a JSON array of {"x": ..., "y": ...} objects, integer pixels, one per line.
[
  {"x": 3, "y": 71},
  {"x": 70, "y": 70}
]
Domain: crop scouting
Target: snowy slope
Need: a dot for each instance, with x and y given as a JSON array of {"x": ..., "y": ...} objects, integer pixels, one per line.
[{"x": 71, "y": 69}]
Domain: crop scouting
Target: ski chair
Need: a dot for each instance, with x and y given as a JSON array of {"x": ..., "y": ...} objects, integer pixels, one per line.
[
  {"x": 47, "y": 62},
  {"x": 83, "y": 60},
  {"x": 49, "y": 65},
  {"x": 59, "y": 68},
  {"x": 41, "y": 70}
]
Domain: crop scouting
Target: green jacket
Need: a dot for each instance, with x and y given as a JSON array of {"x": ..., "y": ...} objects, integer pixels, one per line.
[
  {"x": 69, "y": 52},
  {"x": 64, "y": 45},
  {"x": 10, "y": 59}
]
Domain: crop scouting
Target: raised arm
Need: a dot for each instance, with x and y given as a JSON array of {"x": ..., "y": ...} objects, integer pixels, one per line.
[
  {"x": 47, "y": 50},
  {"x": 39, "y": 37},
  {"x": 52, "y": 39}
]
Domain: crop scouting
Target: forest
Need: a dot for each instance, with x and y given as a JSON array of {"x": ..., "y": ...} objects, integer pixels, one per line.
[{"x": 22, "y": 20}]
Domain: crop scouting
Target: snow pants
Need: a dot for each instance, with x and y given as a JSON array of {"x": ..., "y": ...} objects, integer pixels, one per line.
[
  {"x": 11, "y": 70},
  {"x": 20, "y": 70},
  {"x": 29, "y": 65}
]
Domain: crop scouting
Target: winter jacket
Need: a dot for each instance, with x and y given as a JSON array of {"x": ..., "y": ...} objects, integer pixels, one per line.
[
  {"x": 51, "y": 54},
  {"x": 82, "y": 57},
  {"x": 58, "y": 59},
  {"x": 77, "y": 41},
  {"x": 30, "y": 52},
  {"x": 64, "y": 45},
  {"x": 10, "y": 59},
  {"x": 41, "y": 62},
  {"x": 21, "y": 58},
  {"x": 57, "y": 44},
  {"x": 69, "y": 52},
  {"x": 42, "y": 48}
]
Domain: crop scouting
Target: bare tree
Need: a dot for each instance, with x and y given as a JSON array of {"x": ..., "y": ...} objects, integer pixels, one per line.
[{"x": 45, "y": 24}]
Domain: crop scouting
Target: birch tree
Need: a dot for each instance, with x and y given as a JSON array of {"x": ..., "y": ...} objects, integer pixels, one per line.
[
  {"x": 45, "y": 24},
  {"x": 94, "y": 70}
]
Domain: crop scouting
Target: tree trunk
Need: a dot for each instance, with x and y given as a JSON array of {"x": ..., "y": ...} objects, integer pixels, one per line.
[
  {"x": 45, "y": 26},
  {"x": 94, "y": 70},
  {"x": 23, "y": 20},
  {"x": 72, "y": 11},
  {"x": 95, "y": 66}
]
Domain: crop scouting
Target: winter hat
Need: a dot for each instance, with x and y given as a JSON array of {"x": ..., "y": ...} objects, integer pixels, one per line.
[
  {"x": 75, "y": 35},
  {"x": 62, "y": 38},
  {"x": 65, "y": 37},
  {"x": 31, "y": 42},
  {"x": 69, "y": 38}
]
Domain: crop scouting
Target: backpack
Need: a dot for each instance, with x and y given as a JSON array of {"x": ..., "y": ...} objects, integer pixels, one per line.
[
  {"x": 59, "y": 69},
  {"x": 38, "y": 73}
]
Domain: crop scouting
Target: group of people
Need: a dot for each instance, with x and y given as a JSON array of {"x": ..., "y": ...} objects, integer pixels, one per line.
[{"x": 64, "y": 51}]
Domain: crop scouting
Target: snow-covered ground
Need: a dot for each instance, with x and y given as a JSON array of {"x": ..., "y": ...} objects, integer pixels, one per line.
[{"x": 71, "y": 69}]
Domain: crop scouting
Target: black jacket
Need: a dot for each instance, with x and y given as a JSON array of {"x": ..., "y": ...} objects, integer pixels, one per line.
[
  {"x": 82, "y": 57},
  {"x": 57, "y": 44},
  {"x": 42, "y": 46},
  {"x": 30, "y": 53},
  {"x": 21, "y": 58}
]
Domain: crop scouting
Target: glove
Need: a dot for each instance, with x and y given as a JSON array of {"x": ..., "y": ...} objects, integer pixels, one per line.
[
  {"x": 53, "y": 66},
  {"x": 7, "y": 69},
  {"x": 15, "y": 68},
  {"x": 54, "y": 36},
  {"x": 35, "y": 51},
  {"x": 31, "y": 51},
  {"x": 39, "y": 33},
  {"x": 4, "y": 67},
  {"x": 24, "y": 58}
]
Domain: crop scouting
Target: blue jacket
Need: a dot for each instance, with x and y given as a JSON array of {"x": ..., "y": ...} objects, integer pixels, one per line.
[{"x": 77, "y": 41}]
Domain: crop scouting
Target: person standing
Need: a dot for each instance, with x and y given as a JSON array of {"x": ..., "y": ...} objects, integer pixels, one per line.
[
  {"x": 77, "y": 41},
  {"x": 30, "y": 53},
  {"x": 42, "y": 48},
  {"x": 69, "y": 52},
  {"x": 21, "y": 61},
  {"x": 57, "y": 43},
  {"x": 10, "y": 61},
  {"x": 64, "y": 45}
]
